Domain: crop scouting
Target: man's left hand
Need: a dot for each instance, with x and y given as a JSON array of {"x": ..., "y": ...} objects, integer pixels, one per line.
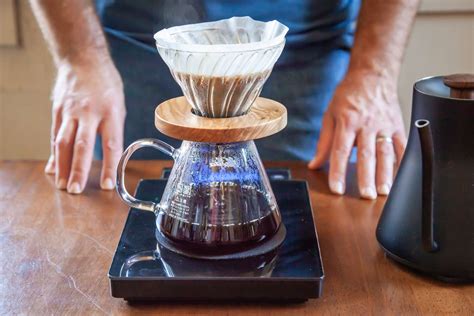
[{"x": 364, "y": 112}]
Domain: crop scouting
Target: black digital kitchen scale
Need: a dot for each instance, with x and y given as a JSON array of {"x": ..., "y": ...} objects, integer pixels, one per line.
[{"x": 142, "y": 269}]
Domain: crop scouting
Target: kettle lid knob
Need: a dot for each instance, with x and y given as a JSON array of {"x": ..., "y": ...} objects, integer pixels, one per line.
[{"x": 462, "y": 85}]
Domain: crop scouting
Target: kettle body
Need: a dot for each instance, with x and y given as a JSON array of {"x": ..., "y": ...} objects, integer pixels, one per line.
[{"x": 428, "y": 220}]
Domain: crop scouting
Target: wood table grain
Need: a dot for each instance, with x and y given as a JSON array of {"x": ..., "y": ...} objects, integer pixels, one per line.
[{"x": 56, "y": 250}]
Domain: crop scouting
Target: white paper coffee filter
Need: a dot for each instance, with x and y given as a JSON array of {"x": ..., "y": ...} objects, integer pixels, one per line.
[
  {"x": 234, "y": 34},
  {"x": 230, "y": 47}
]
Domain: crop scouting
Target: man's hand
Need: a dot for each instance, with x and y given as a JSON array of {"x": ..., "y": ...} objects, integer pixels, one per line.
[
  {"x": 364, "y": 112},
  {"x": 87, "y": 99}
]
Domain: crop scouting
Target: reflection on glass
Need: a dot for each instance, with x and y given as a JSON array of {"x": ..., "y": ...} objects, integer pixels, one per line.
[{"x": 165, "y": 263}]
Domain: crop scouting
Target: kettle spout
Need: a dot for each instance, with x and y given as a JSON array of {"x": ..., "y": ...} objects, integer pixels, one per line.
[{"x": 427, "y": 157}]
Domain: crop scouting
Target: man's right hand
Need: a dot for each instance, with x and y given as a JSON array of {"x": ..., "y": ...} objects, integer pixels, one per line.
[{"x": 87, "y": 100}]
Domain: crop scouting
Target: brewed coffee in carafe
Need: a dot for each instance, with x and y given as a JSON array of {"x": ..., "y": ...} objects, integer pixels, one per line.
[
  {"x": 229, "y": 230},
  {"x": 218, "y": 197}
]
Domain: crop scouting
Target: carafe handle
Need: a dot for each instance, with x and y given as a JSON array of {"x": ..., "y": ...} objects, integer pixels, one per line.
[{"x": 122, "y": 191}]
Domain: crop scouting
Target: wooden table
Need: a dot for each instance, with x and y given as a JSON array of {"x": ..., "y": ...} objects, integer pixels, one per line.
[{"x": 56, "y": 250}]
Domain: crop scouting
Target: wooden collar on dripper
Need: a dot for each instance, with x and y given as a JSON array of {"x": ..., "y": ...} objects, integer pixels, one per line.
[{"x": 176, "y": 119}]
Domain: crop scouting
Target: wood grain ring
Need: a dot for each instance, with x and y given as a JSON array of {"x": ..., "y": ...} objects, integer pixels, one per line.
[{"x": 175, "y": 119}]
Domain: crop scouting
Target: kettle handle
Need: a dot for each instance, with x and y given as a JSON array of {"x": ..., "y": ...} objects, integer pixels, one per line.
[
  {"x": 427, "y": 158},
  {"x": 122, "y": 191}
]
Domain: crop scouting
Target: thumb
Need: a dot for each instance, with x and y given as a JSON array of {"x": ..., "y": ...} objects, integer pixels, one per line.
[{"x": 324, "y": 144}]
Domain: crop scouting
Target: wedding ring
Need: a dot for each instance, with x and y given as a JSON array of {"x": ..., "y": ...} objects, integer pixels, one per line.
[{"x": 385, "y": 139}]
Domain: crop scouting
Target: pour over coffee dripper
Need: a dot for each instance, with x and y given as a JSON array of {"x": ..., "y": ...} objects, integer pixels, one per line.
[
  {"x": 221, "y": 66},
  {"x": 218, "y": 198}
]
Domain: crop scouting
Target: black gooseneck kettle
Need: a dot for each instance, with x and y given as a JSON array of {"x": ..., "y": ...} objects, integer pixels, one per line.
[{"x": 428, "y": 219}]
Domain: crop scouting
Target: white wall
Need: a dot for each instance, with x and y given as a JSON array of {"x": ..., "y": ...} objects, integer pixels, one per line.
[
  {"x": 442, "y": 43},
  {"x": 26, "y": 75}
]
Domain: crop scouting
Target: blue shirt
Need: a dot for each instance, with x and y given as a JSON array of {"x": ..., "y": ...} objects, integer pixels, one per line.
[{"x": 313, "y": 62}]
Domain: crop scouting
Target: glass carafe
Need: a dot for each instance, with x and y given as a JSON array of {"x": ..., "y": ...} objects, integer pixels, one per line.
[{"x": 217, "y": 194}]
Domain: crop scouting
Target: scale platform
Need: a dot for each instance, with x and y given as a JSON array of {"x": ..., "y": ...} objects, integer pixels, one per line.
[{"x": 143, "y": 270}]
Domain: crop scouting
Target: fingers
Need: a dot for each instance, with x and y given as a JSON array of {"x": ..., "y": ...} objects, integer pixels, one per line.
[
  {"x": 49, "y": 169},
  {"x": 399, "y": 144},
  {"x": 112, "y": 146},
  {"x": 341, "y": 150},
  {"x": 366, "y": 164},
  {"x": 56, "y": 123},
  {"x": 385, "y": 163},
  {"x": 63, "y": 151},
  {"x": 324, "y": 144},
  {"x": 82, "y": 156}
]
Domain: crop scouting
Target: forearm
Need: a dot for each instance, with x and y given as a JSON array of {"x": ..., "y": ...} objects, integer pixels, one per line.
[
  {"x": 382, "y": 33},
  {"x": 71, "y": 29}
]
